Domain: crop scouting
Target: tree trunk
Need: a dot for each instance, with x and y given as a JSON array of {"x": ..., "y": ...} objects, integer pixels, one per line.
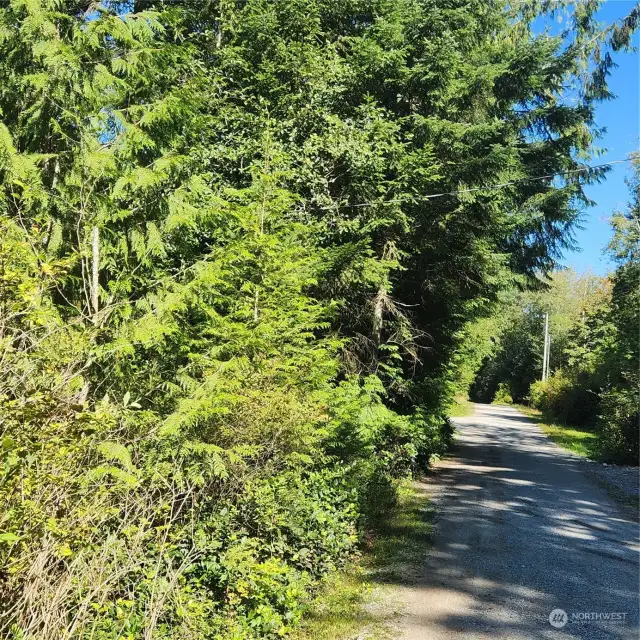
[
  {"x": 95, "y": 271},
  {"x": 378, "y": 313}
]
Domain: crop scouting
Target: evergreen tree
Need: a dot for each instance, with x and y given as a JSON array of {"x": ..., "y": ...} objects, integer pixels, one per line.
[{"x": 240, "y": 243}]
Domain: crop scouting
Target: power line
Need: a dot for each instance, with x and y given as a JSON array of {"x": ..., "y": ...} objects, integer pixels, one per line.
[{"x": 472, "y": 189}]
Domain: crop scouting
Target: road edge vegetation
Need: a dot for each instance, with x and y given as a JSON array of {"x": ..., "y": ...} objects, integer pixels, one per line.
[
  {"x": 358, "y": 601},
  {"x": 582, "y": 442}
]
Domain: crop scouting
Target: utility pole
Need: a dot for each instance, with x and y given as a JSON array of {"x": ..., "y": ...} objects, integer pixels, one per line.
[
  {"x": 545, "y": 353},
  {"x": 548, "y": 355}
]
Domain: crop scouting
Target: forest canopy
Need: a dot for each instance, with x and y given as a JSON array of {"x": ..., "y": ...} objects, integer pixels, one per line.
[{"x": 241, "y": 244}]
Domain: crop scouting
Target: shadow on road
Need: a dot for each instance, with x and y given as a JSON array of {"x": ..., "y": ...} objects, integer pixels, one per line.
[{"x": 520, "y": 531}]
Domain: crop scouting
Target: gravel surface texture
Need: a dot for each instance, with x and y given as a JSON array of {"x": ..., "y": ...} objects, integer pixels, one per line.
[
  {"x": 523, "y": 529},
  {"x": 624, "y": 480}
]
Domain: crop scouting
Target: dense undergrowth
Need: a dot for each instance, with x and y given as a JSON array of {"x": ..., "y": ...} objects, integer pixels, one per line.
[
  {"x": 358, "y": 601},
  {"x": 229, "y": 319}
]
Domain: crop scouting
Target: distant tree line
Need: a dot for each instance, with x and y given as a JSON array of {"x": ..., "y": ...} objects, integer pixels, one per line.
[{"x": 595, "y": 359}]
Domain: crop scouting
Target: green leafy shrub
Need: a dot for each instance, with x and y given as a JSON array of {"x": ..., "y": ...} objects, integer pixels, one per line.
[
  {"x": 567, "y": 399},
  {"x": 537, "y": 392},
  {"x": 554, "y": 396},
  {"x": 620, "y": 425},
  {"x": 227, "y": 313},
  {"x": 503, "y": 394},
  {"x": 133, "y": 540}
]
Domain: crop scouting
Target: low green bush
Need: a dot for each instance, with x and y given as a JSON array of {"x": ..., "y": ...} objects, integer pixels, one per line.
[
  {"x": 620, "y": 425},
  {"x": 503, "y": 394},
  {"x": 566, "y": 399},
  {"x": 612, "y": 413},
  {"x": 553, "y": 396},
  {"x": 112, "y": 529}
]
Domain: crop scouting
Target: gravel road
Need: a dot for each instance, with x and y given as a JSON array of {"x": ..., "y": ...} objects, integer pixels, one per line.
[{"x": 521, "y": 531}]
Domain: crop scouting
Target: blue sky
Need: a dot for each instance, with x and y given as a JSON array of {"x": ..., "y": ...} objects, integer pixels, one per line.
[{"x": 621, "y": 117}]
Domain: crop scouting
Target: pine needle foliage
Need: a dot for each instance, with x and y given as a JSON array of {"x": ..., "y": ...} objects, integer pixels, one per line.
[{"x": 228, "y": 312}]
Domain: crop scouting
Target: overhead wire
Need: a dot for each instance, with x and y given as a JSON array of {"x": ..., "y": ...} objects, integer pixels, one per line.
[{"x": 491, "y": 187}]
